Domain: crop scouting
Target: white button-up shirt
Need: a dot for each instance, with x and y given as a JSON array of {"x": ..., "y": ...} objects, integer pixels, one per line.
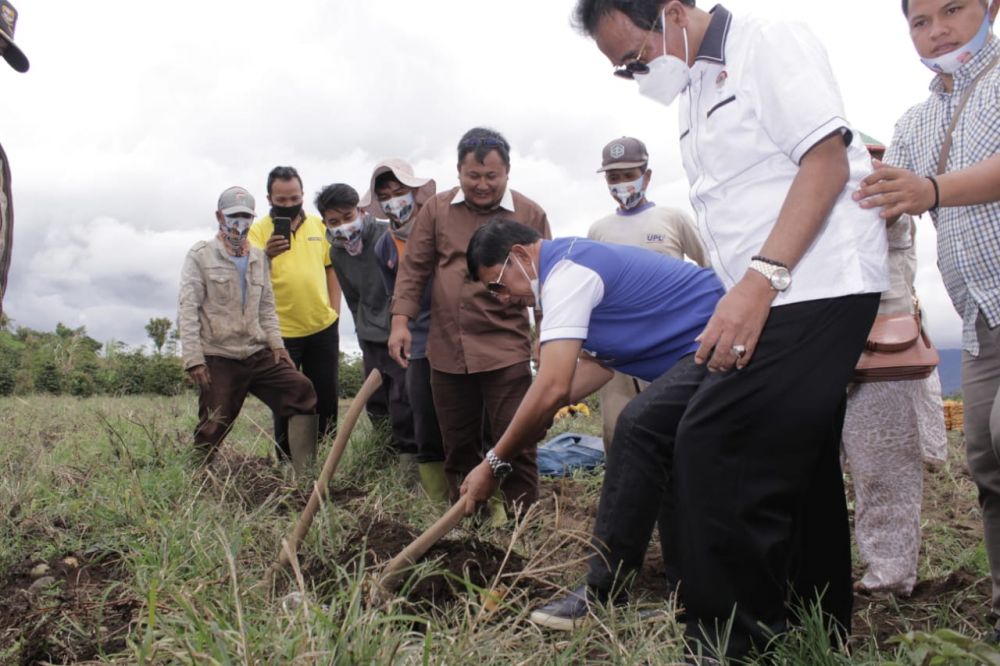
[{"x": 761, "y": 95}]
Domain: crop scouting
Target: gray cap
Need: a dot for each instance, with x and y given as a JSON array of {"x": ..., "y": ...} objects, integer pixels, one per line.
[
  {"x": 623, "y": 153},
  {"x": 11, "y": 53},
  {"x": 236, "y": 200}
]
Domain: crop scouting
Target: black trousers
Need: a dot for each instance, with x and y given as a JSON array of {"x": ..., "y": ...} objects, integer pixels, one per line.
[
  {"x": 318, "y": 357},
  {"x": 425, "y": 423},
  {"x": 389, "y": 406},
  {"x": 638, "y": 480},
  {"x": 762, "y": 515}
]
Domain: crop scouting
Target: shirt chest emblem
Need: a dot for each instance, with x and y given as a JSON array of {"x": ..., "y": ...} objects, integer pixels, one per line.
[{"x": 655, "y": 238}]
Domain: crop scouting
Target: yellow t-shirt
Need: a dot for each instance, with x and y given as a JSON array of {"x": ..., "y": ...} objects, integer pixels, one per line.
[{"x": 298, "y": 276}]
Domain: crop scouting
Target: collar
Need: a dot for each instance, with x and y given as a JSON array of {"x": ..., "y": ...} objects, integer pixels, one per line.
[
  {"x": 713, "y": 44},
  {"x": 968, "y": 72},
  {"x": 635, "y": 211},
  {"x": 506, "y": 202}
]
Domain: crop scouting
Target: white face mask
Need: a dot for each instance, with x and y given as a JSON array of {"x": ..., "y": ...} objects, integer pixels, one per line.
[
  {"x": 629, "y": 194},
  {"x": 399, "y": 208},
  {"x": 668, "y": 75},
  {"x": 536, "y": 289},
  {"x": 348, "y": 236},
  {"x": 951, "y": 62}
]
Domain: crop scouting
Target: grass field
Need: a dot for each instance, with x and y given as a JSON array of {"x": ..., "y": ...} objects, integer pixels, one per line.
[{"x": 113, "y": 550}]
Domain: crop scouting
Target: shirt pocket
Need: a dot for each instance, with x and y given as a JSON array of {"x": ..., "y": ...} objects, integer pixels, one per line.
[
  {"x": 221, "y": 289},
  {"x": 719, "y": 105}
]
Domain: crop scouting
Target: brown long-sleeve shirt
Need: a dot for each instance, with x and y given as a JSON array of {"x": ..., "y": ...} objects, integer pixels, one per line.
[{"x": 471, "y": 331}]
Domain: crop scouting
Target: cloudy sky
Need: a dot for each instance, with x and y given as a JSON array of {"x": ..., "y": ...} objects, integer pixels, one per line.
[{"x": 135, "y": 115}]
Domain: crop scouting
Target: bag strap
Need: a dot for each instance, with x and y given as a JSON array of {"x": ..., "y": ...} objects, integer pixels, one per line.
[{"x": 946, "y": 148}]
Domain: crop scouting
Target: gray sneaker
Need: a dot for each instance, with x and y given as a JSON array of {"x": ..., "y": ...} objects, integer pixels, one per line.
[{"x": 565, "y": 614}]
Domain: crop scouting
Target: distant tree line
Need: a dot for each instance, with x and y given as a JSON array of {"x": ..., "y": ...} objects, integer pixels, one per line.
[{"x": 67, "y": 361}]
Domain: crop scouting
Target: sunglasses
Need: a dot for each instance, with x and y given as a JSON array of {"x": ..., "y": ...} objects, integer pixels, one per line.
[
  {"x": 497, "y": 286},
  {"x": 635, "y": 66}
]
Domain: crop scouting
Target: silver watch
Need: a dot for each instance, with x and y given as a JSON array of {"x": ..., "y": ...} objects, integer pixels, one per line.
[
  {"x": 501, "y": 468},
  {"x": 778, "y": 276}
]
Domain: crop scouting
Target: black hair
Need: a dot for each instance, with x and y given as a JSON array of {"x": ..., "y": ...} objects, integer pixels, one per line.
[
  {"x": 491, "y": 243},
  {"x": 480, "y": 141},
  {"x": 384, "y": 179},
  {"x": 282, "y": 173},
  {"x": 337, "y": 195},
  {"x": 906, "y": 7},
  {"x": 645, "y": 14}
]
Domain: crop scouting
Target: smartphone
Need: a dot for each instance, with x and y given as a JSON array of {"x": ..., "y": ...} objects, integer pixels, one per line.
[{"x": 283, "y": 227}]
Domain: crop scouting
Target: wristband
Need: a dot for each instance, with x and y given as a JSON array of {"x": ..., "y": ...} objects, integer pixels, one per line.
[{"x": 937, "y": 193}]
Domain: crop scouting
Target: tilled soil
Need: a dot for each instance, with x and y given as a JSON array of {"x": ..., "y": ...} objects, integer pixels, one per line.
[
  {"x": 461, "y": 562},
  {"x": 64, "y": 611}
]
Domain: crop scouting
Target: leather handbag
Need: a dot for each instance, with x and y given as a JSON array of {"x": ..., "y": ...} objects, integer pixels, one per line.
[{"x": 897, "y": 349}]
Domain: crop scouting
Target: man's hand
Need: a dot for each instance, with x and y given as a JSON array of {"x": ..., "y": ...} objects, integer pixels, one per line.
[
  {"x": 400, "y": 340},
  {"x": 281, "y": 356},
  {"x": 478, "y": 487},
  {"x": 276, "y": 244},
  {"x": 895, "y": 191},
  {"x": 199, "y": 375},
  {"x": 738, "y": 319}
]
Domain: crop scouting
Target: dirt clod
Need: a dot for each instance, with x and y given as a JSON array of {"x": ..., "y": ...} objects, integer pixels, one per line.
[{"x": 73, "y": 613}]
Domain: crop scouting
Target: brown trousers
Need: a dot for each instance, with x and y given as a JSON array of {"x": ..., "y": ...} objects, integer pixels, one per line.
[
  {"x": 462, "y": 402},
  {"x": 282, "y": 388}
]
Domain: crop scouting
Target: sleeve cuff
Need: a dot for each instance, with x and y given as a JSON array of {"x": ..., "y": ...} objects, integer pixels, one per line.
[
  {"x": 401, "y": 307},
  {"x": 832, "y": 126},
  {"x": 194, "y": 361},
  {"x": 563, "y": 333}
]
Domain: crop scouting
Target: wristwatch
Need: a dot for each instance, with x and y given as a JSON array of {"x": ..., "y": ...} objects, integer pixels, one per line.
[
  {"x": 776, "y": 273},
  {"x": 501, "y": 468}
]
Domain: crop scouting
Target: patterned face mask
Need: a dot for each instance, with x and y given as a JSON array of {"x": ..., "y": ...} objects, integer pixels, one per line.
[
  {"x": 233, "y": 233},
  {"x": 348, "y": 236},
  {"x": 629, "y": 194}
]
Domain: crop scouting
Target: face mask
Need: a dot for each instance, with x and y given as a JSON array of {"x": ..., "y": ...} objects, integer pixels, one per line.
[
  {"x": 951, "y": 62},
  {"x": 668, "y": 75},
  {"x": 233, "y": 233},
  {"x": 536, "y": 289},
  {"x": 290, "y": 212},
  {"x": 628, "y": 194},
  {"x": 347, "y": 236},
  {"x": 399, "y": 208}
]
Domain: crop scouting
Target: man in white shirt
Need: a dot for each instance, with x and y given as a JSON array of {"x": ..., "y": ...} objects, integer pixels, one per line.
[
  {"x": 772, "y": 164},
  {"x": 641, "y": 223}
]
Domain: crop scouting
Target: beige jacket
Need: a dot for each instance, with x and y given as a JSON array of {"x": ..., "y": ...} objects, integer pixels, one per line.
[{"x": 212, "y": 317}]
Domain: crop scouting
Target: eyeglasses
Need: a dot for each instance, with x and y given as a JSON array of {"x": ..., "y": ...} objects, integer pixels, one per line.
[
  {"x": 636, "y": 66},
  {"x": 482, "y": 141},
  {"x": 497, "y": 286}
]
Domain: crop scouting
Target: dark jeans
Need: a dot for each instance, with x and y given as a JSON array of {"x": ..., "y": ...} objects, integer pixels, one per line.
[
  {"x": 425, "y": 422},
  {"x": 462, "y": 402},
  {"x": 389, "y": 406},
  {"x": 762, "y": 515},
  {"x": 285, "y": 390},
  {"x": 318, "y": 357},
  {"x": 637, "y": 481}
]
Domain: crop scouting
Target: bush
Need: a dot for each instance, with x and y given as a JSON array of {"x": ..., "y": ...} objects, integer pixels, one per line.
[
  {"x": 352, "y": 375},
  {"x": 163, "y": 375}
]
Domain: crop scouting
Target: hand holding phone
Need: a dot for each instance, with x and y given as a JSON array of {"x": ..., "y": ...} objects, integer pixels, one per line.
[{"x": 283, "y": 227}]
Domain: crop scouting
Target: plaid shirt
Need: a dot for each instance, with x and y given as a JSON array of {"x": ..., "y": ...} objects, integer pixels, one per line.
[{"x": 968, "y": 236}]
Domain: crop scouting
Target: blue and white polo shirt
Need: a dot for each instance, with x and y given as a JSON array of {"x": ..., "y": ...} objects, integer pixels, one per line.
[{"x": 636, "y": 311}]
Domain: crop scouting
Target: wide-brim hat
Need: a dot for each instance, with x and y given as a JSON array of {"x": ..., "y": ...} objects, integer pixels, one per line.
[
  {"x": 424, "y": 188},
  {"x": 12, "y": 53}
]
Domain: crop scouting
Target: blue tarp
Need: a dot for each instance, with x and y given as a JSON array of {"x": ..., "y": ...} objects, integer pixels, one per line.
[{"x": 568, "y": 452}]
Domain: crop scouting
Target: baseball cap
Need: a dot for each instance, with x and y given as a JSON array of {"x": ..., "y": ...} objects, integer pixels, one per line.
[
  {"x": 623, "y": 153},
  {"x": 236, "y": 200},
  {"x": 12, "y": 53}
]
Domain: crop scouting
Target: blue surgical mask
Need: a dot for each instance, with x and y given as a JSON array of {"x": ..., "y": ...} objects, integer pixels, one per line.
[{"x": 951, "y": 62}]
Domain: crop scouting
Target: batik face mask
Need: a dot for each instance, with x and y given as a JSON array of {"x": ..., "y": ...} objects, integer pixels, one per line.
[
  {"x": 348, "y": 236},
  {"x": 233, "y": 233},
  {"x": 629, "y": 194}
]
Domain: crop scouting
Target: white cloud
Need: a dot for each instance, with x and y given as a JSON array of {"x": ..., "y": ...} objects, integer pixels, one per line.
[{"x": 136, "y": 115}]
